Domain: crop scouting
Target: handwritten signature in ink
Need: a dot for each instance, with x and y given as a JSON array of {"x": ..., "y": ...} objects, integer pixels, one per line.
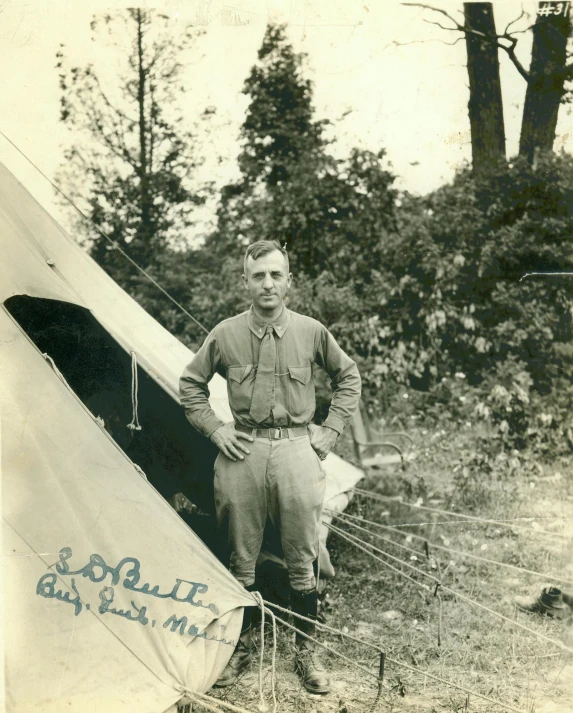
[
  {"x": 180, "y": 624},
  {"x": 96, "y": 570},
  {"x": 106, "y": 598},
  {"x": 46, "y": 587}
]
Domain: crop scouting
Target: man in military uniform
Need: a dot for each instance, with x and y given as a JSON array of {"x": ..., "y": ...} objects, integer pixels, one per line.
[{"x": 269, "y": 463}]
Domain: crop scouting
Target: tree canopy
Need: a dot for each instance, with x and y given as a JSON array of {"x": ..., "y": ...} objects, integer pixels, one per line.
[{"x": 131, "y": 162}]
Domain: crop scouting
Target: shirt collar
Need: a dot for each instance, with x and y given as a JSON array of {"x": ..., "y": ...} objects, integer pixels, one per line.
[{"x": 258, "y": 326}]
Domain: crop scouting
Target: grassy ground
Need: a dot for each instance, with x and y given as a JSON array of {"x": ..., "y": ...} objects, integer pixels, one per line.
[{"x": 462, "y": 644}]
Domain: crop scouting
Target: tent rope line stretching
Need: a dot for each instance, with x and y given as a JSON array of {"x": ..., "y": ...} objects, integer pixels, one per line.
[
  {"x": 360, "y": 545},
  {"x": 443, "y": 548},
  {"x": 274, "y": 658},
  {"x": 335, "y": 515},
  {"x": 134, "y": 424},
  {"x": 412, "y": 669},
  {"x": 110, "y": 240},
  {"x": 261, "y": 603},
  {"x": 473, "y": 518}
]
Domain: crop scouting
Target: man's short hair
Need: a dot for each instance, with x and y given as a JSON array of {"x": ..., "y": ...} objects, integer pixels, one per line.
[{"x": 263, "y": 247}]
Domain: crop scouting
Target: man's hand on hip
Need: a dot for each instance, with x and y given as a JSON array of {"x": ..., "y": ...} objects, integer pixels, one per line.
[
  {"x": 228, "y": 441},
  {"x": 322, "y": 439}
]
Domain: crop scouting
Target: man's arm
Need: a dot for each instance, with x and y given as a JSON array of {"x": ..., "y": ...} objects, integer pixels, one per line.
[
  {"x": 194, "y": 389},
  {"x": 194, "y": 397},
  {"x": 346, "y": 387}
]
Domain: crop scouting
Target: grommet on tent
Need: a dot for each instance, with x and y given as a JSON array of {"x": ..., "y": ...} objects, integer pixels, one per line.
[
  {"x": 134, "y": 424},
  {"x": 51, "y": 263}
]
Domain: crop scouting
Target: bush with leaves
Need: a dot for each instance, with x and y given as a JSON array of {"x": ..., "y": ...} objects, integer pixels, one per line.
[{"x": 451, "y": 298}]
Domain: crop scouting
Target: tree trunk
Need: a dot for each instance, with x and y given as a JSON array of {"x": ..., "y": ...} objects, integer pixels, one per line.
[
  {"x": 144, "y": 248},
  {"x": 485, "y": 105},
  {"x": 545, "y": 88}
]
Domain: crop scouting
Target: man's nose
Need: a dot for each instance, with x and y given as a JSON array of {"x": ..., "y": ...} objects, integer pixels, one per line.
[{"x": 267, "y": 282}]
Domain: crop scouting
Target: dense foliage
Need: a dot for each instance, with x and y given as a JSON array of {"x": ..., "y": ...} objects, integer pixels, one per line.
[{"x": 427, "y": 293}]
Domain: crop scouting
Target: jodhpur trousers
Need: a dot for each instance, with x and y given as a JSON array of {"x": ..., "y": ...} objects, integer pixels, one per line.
[{"x": 281, "y": 479}]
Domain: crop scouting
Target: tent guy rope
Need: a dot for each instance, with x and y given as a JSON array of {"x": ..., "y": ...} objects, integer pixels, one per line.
[
  {"x": 360, "y": 544},
  {"x": 368, "y": 644},
  {"x": 348, "y": 519},
  {"x": 261, "y": 602},
  {"x": 473, "y": 518}
]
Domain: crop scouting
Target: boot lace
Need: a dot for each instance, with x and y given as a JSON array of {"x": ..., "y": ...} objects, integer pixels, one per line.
[{"x": 309, "y": 658}]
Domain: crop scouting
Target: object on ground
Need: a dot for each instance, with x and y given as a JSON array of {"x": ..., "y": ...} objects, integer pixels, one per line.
[{"x": 549, "y": 602}]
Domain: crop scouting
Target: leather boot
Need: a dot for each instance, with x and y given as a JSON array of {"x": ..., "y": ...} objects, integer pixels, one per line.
[
  {"x": 243, "y": 654},
  {"x": 549, "y": 602},
  {"x": 307, "y": 662}
]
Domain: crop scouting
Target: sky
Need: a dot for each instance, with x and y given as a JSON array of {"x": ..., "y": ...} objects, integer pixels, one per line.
[{"x": 382, "y": 73}]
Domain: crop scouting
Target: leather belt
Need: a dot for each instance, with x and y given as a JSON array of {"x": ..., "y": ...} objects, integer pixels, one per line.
[{"x": 273, "y": 434}]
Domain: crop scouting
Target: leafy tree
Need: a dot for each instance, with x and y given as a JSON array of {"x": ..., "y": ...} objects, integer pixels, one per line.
[
  {"x": 131, "y": 169},
  {"x": 282, "y": 156},
  {"x": 331, "y": 213},
  {"x": 456, "y": 301}
]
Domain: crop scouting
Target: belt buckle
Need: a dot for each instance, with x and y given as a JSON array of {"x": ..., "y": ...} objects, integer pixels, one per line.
[{"x": 275, "y": 434}]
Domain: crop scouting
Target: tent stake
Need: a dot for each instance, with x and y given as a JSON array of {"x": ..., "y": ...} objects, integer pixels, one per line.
[{"x": 380, "y": 681}]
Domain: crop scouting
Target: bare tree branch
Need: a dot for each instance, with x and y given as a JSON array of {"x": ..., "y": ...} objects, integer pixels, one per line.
[
  {"x": 442, "y": 27},
  {"x": 434, "y": 9},
  {"x": 499, "y": 40},
  {"x": 512, "y": 22},
  {"x": 395, "y": 43}
]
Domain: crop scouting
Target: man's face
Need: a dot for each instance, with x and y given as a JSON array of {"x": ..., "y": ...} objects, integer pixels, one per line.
[{"x": 267, "y": 279}]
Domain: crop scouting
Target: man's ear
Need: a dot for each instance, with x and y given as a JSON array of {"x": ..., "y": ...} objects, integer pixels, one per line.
[{"x": 246, "y": 286}]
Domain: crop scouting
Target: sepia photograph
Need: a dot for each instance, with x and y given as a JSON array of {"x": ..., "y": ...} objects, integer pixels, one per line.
[{"x": 286, "y": 356}]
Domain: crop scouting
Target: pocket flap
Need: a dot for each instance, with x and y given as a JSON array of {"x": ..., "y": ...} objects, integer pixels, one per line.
[
  {"x": 300, "y": 373},
  {"x": 238, "y": 373}
]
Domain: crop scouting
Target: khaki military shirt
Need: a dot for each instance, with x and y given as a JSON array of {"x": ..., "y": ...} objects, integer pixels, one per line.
[{"x": 301, "y": 343}]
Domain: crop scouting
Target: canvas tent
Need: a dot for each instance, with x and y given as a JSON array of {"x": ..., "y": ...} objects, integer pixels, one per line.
[{"x": 109, "y": 598}]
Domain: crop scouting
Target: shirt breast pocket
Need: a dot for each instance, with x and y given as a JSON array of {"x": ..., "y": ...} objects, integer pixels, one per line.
[
  {"x": 300, "y": 390},
  {"x": 240, "y": 386}
]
